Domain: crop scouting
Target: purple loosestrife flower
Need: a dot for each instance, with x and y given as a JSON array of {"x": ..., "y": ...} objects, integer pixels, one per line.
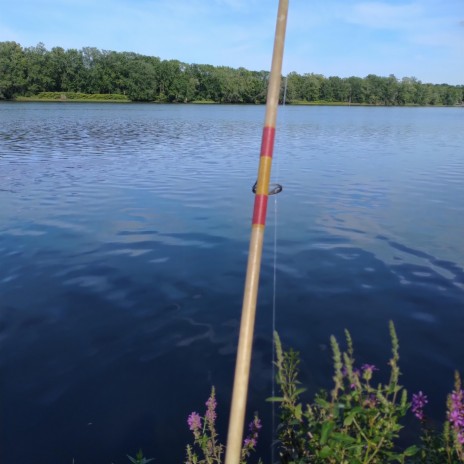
[
  {"x": 419, "y": 400},
  {"x": 456, "y": 414},
  {"x": 250, "y": 442},
  {"x": 354, "y": 380},
  {"x": 367, "y": 370},
  {"x": 211, "y": 411},
  {"x": 256, "y": 425},
  {"x": 194, "y": 422}
]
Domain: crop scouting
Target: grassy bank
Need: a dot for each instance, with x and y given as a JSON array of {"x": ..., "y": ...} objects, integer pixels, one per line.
[
  {"x": 74, "y": 97},
  {"x": 323, "y": 103},
  {"x": 119, "y": 98},
  {"x": 326, "y": 103}
]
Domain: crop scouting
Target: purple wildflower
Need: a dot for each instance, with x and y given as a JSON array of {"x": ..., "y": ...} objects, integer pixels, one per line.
[
  {"x": 194, "y": 422},
  {"x": 255, "y": 425},
  {"x": 354, "y": 379},
  {"x": 419, "y": 400},
  {"x": 456, "y": 414},
  {"x": 251, "y": 440},
  {"x": 368, "y": 368},
  {"x": 211, "y": 411}
]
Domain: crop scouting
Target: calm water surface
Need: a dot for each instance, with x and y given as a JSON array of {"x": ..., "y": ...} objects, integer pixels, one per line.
[{"x": 123, "y": 244}]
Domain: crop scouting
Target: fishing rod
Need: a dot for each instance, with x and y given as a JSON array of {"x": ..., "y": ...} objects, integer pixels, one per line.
[{"x": 245, "y": 342}]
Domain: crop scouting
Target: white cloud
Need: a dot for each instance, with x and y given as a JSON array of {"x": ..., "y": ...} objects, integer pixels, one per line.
[{"x": 384, "y": 15}]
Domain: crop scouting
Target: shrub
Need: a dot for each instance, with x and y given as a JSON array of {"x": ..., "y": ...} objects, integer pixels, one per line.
[
  {"x": 357, "y": 422},
  {"x": 206, "y": 448}
]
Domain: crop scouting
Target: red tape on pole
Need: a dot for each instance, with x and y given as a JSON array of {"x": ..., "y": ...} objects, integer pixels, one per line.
[
  {"x": 260, "y": 209},
  {"x": 267, "y": 142}
]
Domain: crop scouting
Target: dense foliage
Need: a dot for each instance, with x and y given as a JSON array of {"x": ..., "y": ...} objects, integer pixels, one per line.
[
  {"x": 359, "y": 421},
  {"x": 33, "y": 70}
]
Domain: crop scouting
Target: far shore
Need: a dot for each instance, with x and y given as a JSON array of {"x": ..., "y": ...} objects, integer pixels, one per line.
[{"x": 70, "y": 97}]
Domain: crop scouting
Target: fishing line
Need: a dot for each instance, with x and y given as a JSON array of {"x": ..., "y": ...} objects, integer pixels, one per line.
[{"x": 274, "y": 291}]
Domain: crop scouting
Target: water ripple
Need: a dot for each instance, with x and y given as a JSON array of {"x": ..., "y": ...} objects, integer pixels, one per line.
[{"x": 124, "y": 236}]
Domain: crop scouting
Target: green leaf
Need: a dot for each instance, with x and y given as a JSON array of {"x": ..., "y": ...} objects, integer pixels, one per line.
[
  {"x": 411, "y": 451},
  {"x": 325, "y": 452},
  {"x": 327, "y": 427},
  {"x": 322, "y": 402},
  {"x": 275, "y": 399},
  {"x": 349, "y": 419},
  {"x": 395, "y": 457},
  {"x": 343, "y": 438},
  {"x": 298, "y": 412}
]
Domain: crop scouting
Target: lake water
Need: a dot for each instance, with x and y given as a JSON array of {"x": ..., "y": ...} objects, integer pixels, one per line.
[{"x": 123, "y": 243}]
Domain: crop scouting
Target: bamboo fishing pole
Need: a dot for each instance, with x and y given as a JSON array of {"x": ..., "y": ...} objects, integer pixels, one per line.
[{"x": 245, "y": 342}]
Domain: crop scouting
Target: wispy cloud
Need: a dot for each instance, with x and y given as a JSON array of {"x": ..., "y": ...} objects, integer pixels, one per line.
[{"x": 384, "y": 15}]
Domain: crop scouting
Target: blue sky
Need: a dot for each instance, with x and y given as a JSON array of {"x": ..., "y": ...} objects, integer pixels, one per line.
[{"x": 420, "y": 38}]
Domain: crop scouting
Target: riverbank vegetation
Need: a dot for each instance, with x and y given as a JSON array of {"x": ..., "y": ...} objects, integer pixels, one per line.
[
  {"x": 359, "y": 421},
  {"x": 74, "y": 96},
  {"x": 102, "y": 75}
]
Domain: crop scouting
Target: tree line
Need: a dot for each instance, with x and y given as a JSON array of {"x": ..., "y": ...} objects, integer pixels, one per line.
[{"x": 32, "y": 70}]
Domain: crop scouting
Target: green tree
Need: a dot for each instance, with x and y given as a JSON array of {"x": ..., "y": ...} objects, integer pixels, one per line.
[
  {"x": 433, "y": 93},
  {"x": 312, "y": 84},
  {"x": 209, "y": 86},
  {"x": 182, "y": 87},
  {"x": 168, "y": 71},
  {"x": 294, "y": 87},
  {"x": 142, "y": 81},
  {"x": 147, "y": 78},
  {"x": 326, "y": 91},
  {"x": 450, "y": 95},
  {"x": 421, "y": 96},
  {"x": 74, "y": 77},
  {"x": 38, "y": 69},
  {"x": 12, "y": 70},
  {"x": 340, "y": 89},
  {"x": 373, "y": 89},
  {"x": 356, "y": 90},
  {"x": 390, "y": 90},
  {"x": 407, "y": 91}
]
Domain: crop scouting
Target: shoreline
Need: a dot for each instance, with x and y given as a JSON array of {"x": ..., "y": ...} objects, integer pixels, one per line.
[{"x": 295, "y": 103}]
